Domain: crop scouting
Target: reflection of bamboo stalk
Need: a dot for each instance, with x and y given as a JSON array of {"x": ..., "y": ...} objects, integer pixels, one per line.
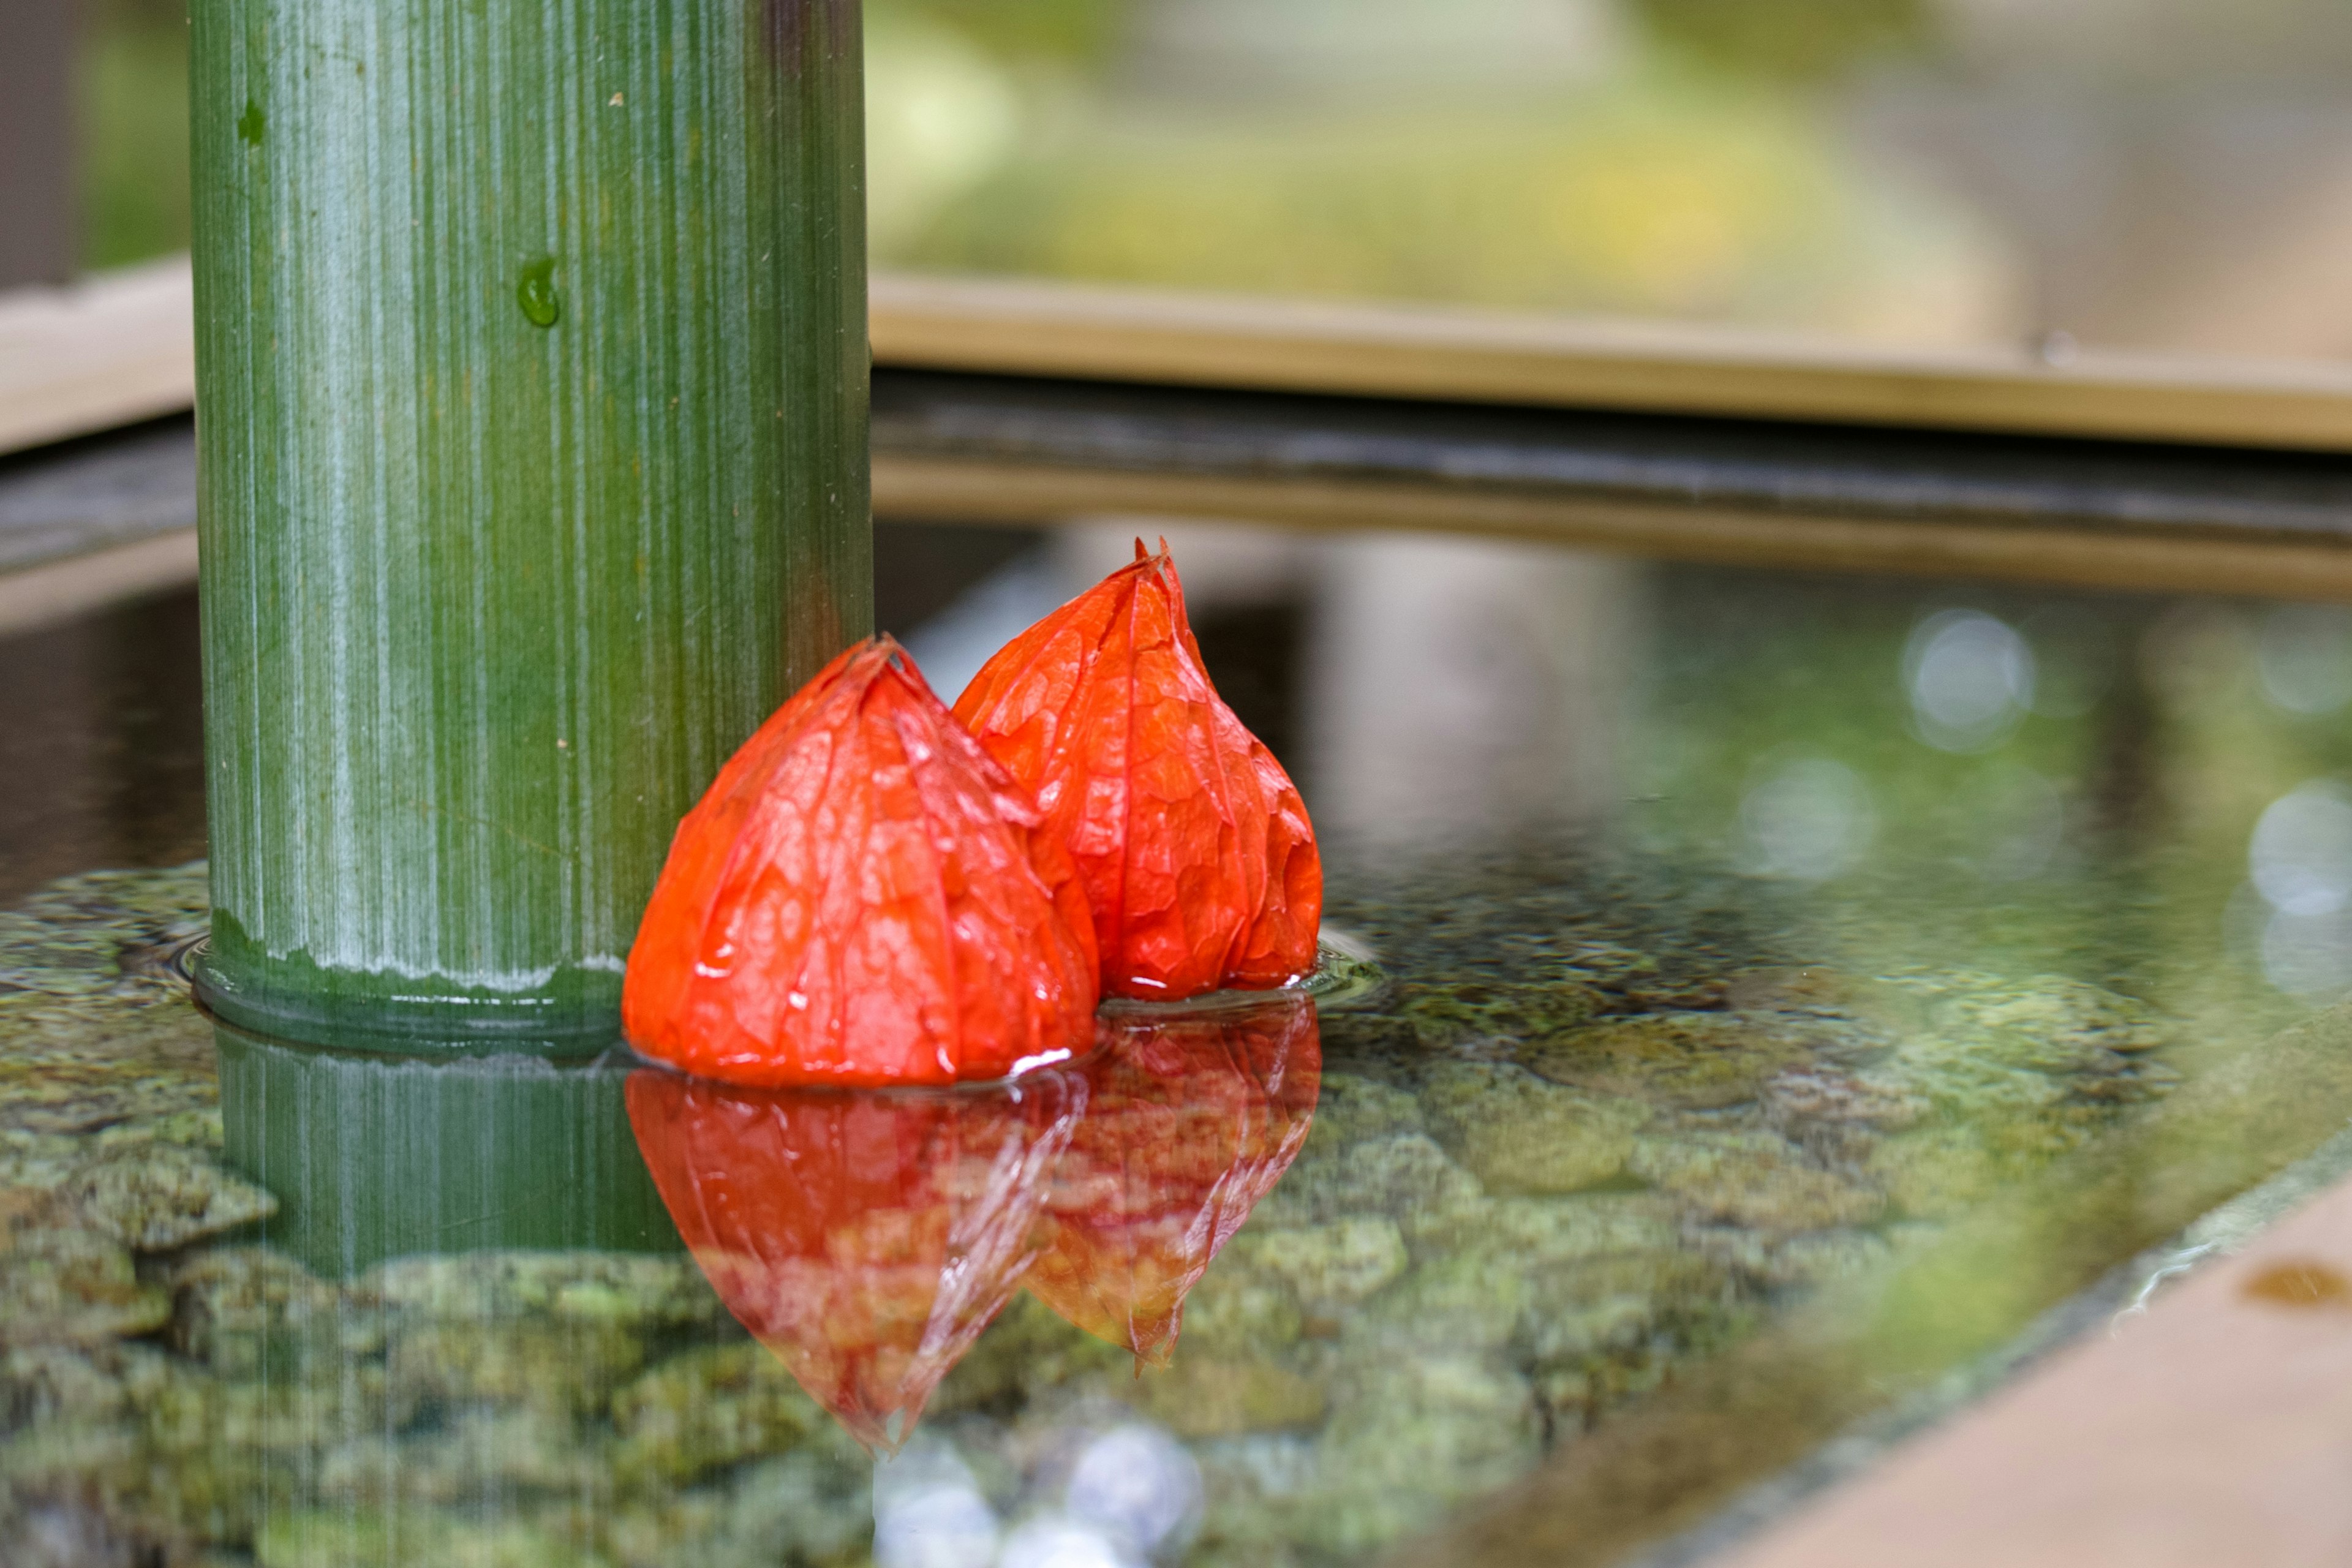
[
  {"x": 372, "y": 1157},
  {"x": 1871, "y": 1345},
  {"x": 533, "y": 370}
]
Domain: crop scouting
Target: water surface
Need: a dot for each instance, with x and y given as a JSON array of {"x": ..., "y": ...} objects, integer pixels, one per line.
[{"x": 1793, "y": 989}]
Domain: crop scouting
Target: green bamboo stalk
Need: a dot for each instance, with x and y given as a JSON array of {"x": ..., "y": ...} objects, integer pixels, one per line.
[{"x": 531, "y": 382}]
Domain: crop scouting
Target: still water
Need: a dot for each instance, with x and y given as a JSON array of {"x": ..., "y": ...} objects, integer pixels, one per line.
[{"x": 1787, "y": 993}]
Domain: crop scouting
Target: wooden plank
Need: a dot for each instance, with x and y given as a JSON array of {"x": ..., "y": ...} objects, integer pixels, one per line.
[
  {"x": 56, "y": 592},
  {"x": 96, "y": 356},
  {"x": 1005, "y": 434},
  {"x": 919, "y": 489},
  {"x": 1428, "y": 352},
  {"x": 115, "y": 349},
  {"x": 38, "y": 235},
  {"x": 99, "y": 494},
  {"x": 2216, "y": 1428}
]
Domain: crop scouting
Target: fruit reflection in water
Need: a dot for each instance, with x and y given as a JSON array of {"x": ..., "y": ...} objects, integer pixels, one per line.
[
  {"x": 1189, "y": 1125},
  {"x": 867, "y": 1238}
]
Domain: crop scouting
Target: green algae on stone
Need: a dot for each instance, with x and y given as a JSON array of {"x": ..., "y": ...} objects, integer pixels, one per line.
[
  {"x": 159, "y": 1196},
  {"x": 2067, "y": 1020},
  {"x": 1516, "y": 1264},
  {"x": 1608, "y": 966},
  {"x": 1028, "y": 1351},
  {"x": 2030, "y": 1076},
  {"x": 1782, "y": 1261},
  {"x": 1699, "y": 1061},
  {"x": 1471, "y": 1013},
  {"x": 1405, "y": 1176},
  {"x": 1953, "y": 1293},
  {"x": 74, "y": 1287},
  {"x": 1351, "y": 1107},
  {"x": 267, "y": 1418},
  {"x": 805, "y": 1509},
  {"x": 1607, "y": 1308},
  {"x": 34, "y": 956},
  {"x": 707, "y": 1408},
  {"x": 538, "y": 1362},
  {"x": 1450, "y": 1278},
  {"x": 582, "y": 1287},
  {"x": 68, "y": 1528},
  {"x": 1535, "y": 1232},
  {"x": 1939, "y": 1173},
  {"x": 1207, "y": 1395},
  {"x": 315, "y": 1538},
  {"x": 246, "y": 1312},
  {"x": 564, "y": 1330},
  {"x": 46, "y": 1383},
  {"x": 472, "y": 1456},
  {"x": 1517, "y": 1134},
  {"x": 96, "y": 1096},
  {"x": 1331, "y": 1268},
  {"x": 1236, "y": 1310},
  {"x": 116, "y": 1063},
  {"x": 1756, "y": 1180},
  {"x": 1410, "y": 1438},
  {"x": 102, "y": 933},
  {"x": 1818, "y": 1097},
  {"x": 1453, "y": 1301},
  {"x": 1820, "y": 991}
]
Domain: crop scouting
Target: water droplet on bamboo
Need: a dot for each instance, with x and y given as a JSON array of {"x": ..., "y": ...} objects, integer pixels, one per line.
[{"x": 542, "y": 304}]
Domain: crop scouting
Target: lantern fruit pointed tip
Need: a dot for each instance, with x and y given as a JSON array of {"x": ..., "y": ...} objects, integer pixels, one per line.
[
  {"x": 863, "y": 898},
  {"x": 1194, "y": 847}
]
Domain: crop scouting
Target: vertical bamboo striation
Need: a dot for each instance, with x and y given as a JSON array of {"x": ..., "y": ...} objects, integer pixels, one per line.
[{"x": 531, "y": 375}]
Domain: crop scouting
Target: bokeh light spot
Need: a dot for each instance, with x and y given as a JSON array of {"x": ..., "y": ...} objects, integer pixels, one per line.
[
  {"x": 1970, "y": 678},
  {"x": 2301, "y": 857},
  {"x": 1809, "y": 818}
]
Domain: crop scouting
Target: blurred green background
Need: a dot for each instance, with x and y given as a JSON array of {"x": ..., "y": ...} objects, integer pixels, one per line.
[
  {"x": 2154, "y": 173},
  {"x": 134, "y": 130}
]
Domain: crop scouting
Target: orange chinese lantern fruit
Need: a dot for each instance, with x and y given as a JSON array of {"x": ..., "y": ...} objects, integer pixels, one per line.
[
  {"x": 1196, "y": 850},
  {"x": 865, "y": 1239},
  {"x": 1190, "y": 1123},
  {"x": 863, "y": 898}
]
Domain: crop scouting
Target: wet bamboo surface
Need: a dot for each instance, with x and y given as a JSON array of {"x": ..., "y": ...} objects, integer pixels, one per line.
[{"x": 531, "y": 354}]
